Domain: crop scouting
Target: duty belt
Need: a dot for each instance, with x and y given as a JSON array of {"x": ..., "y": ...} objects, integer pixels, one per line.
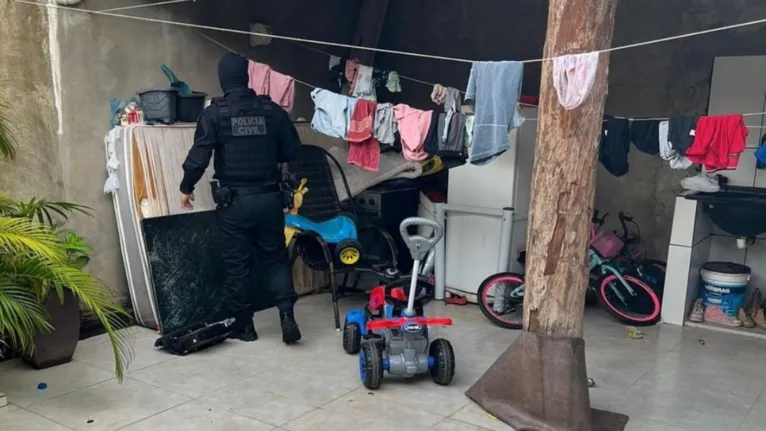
[{"x": 255, "y": 189}]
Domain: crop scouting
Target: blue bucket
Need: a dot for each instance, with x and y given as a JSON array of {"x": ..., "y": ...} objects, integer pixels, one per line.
[{"x": 724, "y": 284}]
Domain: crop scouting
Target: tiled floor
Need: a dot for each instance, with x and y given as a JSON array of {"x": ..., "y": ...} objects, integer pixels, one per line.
[{"x": 672, "y": 380}]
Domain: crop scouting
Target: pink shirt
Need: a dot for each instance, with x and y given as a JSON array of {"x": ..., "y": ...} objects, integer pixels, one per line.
[
  {"x": 267, "y": 82},
  {"x": 413, "y": 127}
]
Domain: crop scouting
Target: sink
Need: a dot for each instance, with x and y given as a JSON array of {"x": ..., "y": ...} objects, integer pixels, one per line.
[{"x": 738, "y": 211}]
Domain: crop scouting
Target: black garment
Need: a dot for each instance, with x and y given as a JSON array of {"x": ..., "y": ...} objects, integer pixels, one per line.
[
  {"x": 615, "y": 145},
  {"x": 431, "y": 143},
  {"x": 252, "y": 231},
  {"x": 250, "y": 136},
  {"x": 680, "y": 134},
  {"x": 645, "y": 135}
]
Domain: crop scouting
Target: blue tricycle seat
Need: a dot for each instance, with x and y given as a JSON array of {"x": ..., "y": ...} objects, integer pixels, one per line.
[{"x": 332, "y": 231}]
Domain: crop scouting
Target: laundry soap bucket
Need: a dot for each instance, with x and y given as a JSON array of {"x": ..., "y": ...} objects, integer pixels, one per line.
[{"x": 724, "y": 284}]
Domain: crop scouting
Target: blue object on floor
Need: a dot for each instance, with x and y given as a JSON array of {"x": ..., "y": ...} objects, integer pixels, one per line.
[
  {"x": 42, "y": 386},
  {"x": 760, "y": 154}
]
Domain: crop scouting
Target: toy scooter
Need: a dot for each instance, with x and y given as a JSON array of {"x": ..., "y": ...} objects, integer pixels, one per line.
[{"x": 394, "y": 328}]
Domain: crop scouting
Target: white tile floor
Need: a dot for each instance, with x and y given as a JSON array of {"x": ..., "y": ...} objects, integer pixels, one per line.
[{"x": 669, "y": 381}]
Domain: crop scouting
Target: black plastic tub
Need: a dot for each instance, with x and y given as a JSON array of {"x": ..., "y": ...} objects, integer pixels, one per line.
[
  {"x": 159, "y": 105},
  {"x": 189, "y": 107},
  {"x": 738, "y": 211}
]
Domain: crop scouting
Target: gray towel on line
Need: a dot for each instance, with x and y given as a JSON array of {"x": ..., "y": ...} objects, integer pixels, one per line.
[{"x": 494, "y": 88}]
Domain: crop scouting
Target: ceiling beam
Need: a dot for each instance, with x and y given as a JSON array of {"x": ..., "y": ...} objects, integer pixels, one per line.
[{"x": 369, "y": 27}]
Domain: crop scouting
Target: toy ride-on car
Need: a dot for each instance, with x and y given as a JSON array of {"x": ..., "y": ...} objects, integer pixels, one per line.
[{"x": 391, "y": 333}]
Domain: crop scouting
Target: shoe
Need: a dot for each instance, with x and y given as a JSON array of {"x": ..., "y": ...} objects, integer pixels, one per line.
[
  {"x": 697, "y": 314},
  {"x": 759, "y": 319},
  {"x": 714, "y": 314},
  {"x": 754, "y": 304},
  {"x": 246, "y": 334},
  {"x": 701, "y": 183},
  {"x": 290, "y": 332},
  {"x": 747, "y": 321}
]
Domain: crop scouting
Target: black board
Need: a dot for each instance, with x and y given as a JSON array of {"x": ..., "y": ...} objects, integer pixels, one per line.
[{"x": 187, "y": 272}]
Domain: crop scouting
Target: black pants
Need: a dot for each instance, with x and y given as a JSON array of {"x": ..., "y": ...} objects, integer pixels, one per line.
[{"x": 252, "y": 235}]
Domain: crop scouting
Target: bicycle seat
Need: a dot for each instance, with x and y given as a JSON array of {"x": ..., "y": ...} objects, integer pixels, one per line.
[{"x": 332, "y": 231}]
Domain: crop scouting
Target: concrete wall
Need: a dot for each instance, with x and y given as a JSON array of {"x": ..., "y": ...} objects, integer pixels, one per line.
[
  {"x": 102, "y": 58},
  {"x": 26, "y": 101},
  {"x": 656, "y": 80}
]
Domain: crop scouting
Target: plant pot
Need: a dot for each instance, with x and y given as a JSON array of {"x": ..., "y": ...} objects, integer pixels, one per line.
[{"x": 57, "y": 347}]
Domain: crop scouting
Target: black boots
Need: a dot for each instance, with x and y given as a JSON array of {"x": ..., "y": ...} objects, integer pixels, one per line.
[
  {"x": 246, "y": 334},
  {"x": 290, "y": 332}
]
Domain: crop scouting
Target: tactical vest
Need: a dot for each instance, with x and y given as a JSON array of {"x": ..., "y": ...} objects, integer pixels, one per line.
[{"x": 248, "y": 144}]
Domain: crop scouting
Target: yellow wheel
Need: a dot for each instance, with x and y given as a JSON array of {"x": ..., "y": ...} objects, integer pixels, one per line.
[{"x": 349, "y": 255}]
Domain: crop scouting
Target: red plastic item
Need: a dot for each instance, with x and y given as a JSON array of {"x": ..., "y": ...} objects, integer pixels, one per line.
[
  {"x": 398, "y": 293},
  {"x": 398, "y": 323},
  {"x": 377, "y": 298}
]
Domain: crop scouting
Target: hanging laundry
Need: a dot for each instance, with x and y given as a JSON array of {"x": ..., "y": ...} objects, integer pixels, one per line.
[
  {"x": 413, "y": 127},
  {"x": 385, "y": 124},
  {"x": 667, "y": 152},
  {"x": 393, "y": 84},
  {"x": 352, "y": 68},
  {"x": 364, "y": 149},
  {"x": 334, "y": 61},
  {"x": 438, "y": 94},
  {"x": 718, "y": 142},
  {"x": 469, "y": 130},
  {"x": 573, "y": 77},
  {"x": 452, "y": 149},
  {"x": 451, "y": 99},
  {"x": 379, "y": 77},
  {"x": 494, "y": 89},
  {"x": 258, "y": 74},
  {"x": 338, "y": 76},
  {"x": 645, "y": 135},
  {"x": 350, "y": 107},
  {"x": 282, "y": 90},
  {"x": 431, "y": 144},
  {"x": 330, "y": 113},
  {"x": 363, "y": 88},
  {"x": 615, "y": 145},
  {"x": 681, "y": 131},
  {"x": 267, "y": 82}
]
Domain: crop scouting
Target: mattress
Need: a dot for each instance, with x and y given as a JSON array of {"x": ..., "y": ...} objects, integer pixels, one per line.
[{"x": 148, "y": 173}]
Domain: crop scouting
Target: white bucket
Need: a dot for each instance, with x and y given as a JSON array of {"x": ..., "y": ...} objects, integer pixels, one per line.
[{"x": 724, "y": 284}]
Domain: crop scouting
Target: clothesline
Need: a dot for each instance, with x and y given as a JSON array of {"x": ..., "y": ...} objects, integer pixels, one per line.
[
  {"x": 162, "y": 3},
  {"x": 749, "y": 114},
  {"x": 388, "y": 51}
]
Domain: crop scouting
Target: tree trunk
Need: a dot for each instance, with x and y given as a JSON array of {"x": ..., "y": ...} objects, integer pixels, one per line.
[
  {"x": 540, "y": 382},
  {"x": 564, "y": 174}
]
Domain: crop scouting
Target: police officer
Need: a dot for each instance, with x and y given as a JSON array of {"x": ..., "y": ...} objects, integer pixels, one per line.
[{"x": 250, "y": 136}]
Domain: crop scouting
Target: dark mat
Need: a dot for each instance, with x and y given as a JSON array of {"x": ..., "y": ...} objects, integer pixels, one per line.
[
  {"x": 540, "y": 384},
  {"x": 187, "y": 272}
]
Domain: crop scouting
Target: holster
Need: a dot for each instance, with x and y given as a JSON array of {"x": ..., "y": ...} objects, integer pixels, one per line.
[{"x": 222, "y": 195}]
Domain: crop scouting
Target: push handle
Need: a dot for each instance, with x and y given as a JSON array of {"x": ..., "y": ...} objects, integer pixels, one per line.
[{"x": 419, "y": 245}]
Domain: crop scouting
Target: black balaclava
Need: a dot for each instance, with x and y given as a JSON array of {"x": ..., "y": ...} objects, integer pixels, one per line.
[{"x": 232, "y": 72}]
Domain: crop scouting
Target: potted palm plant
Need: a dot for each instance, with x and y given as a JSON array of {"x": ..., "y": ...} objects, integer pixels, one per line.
[{"x": 43, "y": 283}]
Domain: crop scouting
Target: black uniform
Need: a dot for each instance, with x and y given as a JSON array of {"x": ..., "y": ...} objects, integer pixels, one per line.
[{"x": 250, "y": 135}]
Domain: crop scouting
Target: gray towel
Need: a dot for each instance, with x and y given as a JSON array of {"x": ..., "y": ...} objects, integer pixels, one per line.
[{"x": 494, "y": 88}]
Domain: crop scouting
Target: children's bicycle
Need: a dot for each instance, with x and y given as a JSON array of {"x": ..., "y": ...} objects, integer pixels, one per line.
[{"x": 615, "y": 285}]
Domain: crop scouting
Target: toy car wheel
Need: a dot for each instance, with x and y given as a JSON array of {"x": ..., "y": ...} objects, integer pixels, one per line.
[
  {"x": 443, "y": 356},
  {"x": 348, "y": 252},
  {"x": 371, "y": 366},
  {"x": 352, "y": 337}
]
